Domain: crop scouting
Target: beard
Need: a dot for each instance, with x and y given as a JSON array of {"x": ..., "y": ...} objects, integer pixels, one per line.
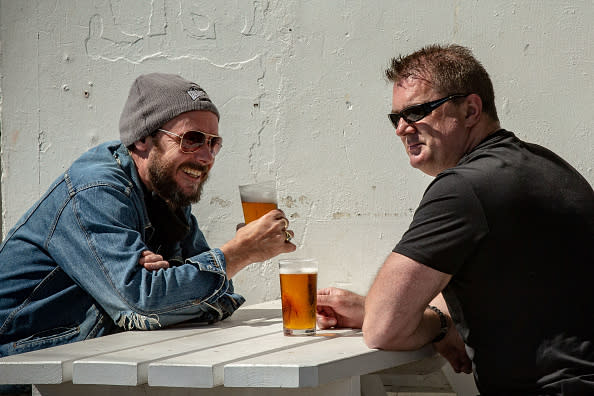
[{"x": 161, "y": 174}]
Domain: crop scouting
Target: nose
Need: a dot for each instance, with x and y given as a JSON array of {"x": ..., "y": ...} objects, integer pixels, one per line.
[
  {"x": 203, "y": 155},
  {"x": 404, "y": 128}
]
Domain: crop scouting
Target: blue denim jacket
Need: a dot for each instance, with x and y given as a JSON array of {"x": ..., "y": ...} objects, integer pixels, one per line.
[{"x": 69, "y": 268}]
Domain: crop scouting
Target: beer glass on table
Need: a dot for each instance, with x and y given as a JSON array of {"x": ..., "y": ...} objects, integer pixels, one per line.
[
  {"x": 257, "y": 199},
  {"x": 298, "y": 284}
]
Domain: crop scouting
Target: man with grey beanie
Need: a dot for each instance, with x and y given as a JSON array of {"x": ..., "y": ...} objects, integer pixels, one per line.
[{"x": 113, "y": 245}]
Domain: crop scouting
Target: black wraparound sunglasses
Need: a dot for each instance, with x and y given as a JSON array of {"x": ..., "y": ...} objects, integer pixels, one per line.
[{"x": 418, "y": 112}]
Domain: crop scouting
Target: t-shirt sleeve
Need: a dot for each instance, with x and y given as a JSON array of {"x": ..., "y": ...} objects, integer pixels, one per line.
[{"x": 447, "y": 226}]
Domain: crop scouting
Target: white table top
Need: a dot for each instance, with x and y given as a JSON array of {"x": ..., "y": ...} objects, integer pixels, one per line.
[{"x": 246, "y": 350}]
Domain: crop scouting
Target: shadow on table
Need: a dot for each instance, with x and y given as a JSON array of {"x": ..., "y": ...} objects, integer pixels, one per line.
[{"x": 251, "y": 317}]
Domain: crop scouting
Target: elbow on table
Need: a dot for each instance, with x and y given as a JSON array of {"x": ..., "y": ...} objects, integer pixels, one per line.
[
  {"x": 373, "y": 342},
  {"x": 376, "y": 337},
  {"x": 388, "y": 338}
]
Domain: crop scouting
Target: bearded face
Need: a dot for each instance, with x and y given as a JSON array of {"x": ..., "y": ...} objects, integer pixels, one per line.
[{"x": 165, "y": 177}]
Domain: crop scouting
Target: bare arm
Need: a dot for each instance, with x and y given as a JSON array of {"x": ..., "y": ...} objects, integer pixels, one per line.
[
  {"x": 396, "y": 314},
  {"x": 452, "y": 347}
]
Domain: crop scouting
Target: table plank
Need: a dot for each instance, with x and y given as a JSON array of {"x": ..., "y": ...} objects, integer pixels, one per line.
[
  {"x": 130, "y": 366},
  {"x": 206, "y": 368},
  {"x": 55, "y": 365},
  {"x": 303, "y": 366}
]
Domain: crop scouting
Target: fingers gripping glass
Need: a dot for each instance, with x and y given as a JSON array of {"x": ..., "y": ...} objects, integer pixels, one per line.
[
  {"x": 191, "y": 141},
  {"x": 416, "y": 113}
]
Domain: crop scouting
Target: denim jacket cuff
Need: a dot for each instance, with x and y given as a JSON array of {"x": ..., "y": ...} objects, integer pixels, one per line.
[{"x": 212, "y": 261}]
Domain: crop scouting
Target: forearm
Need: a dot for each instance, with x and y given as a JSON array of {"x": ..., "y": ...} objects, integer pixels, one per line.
[
  {"x": 452, "y": 346},
  {"x": 396, "y": 314},
  {"x": 440, "y": 303},
  {"x": 395, "y": 333},
  {"x": 136, "y": 298},
  {"x": 235, "y": 260}
]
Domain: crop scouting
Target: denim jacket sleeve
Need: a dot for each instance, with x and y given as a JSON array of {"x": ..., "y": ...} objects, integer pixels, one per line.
[{"x": 100, "y": 239}]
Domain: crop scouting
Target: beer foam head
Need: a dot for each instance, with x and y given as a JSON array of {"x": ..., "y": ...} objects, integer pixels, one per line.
[
  {"x": 259, "y": 192},
  {"x": 298, "y": 266},
  {"x": 310, "y": 270}
]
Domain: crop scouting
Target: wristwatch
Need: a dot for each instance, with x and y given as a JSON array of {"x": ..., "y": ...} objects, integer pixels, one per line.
[{"x": 443, "y": 330}]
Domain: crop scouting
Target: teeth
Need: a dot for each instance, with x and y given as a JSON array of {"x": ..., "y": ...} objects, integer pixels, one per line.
[{"x": 192, "y": 172}]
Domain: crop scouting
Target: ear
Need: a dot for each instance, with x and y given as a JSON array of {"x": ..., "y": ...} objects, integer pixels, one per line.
[
  {"x": 143, "y": 145},
  {"x": 474, "y": 109}
]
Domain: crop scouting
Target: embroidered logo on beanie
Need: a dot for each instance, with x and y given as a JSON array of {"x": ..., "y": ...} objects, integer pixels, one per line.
[{"x": 195, "y": 93}]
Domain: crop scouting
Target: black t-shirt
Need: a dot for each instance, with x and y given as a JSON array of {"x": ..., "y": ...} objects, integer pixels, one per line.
[{"x": 513, "y": 224}]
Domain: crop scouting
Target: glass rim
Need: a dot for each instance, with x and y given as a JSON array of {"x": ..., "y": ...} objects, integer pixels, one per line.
[
  {"x": 298, "y": 266},
  {"x": 295, "y": 260}
]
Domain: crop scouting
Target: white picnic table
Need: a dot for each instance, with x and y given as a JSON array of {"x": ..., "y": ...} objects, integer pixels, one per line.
[{"x": 246, "y": 354}]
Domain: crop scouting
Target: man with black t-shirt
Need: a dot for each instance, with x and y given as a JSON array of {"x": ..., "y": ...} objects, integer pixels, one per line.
[{"x": 503, "y": 232}]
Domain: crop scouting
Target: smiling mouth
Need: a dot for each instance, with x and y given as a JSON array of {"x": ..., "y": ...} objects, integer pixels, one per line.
[{"x": 192, "y": 172}]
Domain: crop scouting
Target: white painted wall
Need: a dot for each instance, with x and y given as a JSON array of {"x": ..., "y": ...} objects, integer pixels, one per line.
[{"x": 302, "y": 96}]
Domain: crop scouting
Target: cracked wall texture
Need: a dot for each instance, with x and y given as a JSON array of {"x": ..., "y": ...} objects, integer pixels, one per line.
[{"x": 303, "y": 101}]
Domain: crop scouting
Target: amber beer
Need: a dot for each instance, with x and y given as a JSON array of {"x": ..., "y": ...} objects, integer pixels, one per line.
[
  {"x": 298, "y": 283},
  {"x": 254, "y": 210},
  {"x": 257, "y": 199}
]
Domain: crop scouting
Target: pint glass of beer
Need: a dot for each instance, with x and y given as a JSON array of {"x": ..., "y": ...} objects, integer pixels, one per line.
[
  {"x": 257, "y": 199},
  {"x": 298, "y": 284}
]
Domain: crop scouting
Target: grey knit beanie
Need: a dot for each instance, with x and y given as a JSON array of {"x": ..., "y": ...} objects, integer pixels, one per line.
[{"x": 155, "y": 99}]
